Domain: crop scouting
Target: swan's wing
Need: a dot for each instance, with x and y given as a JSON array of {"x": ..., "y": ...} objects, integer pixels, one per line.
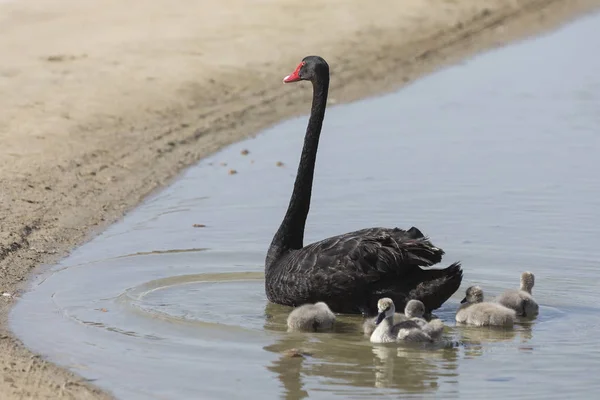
[
  {"x": 368, "y": 254},
  {"x": 352, "y": 271}
]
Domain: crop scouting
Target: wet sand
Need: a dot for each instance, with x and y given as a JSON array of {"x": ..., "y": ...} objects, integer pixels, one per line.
[{"x": 100, "y": 105}]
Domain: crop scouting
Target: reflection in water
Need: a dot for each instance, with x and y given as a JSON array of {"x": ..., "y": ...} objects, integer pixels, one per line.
[
  {"x": 476, "y": 340},
  {"x": 494, "y": 334},
  {"x": 345, "y": 358},
  {"x": 288, "y": 367},
  {"x": 414, "y": 370}
]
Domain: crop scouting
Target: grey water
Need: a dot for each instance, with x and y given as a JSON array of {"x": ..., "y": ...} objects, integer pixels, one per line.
[{"x": 496, "y": 159}]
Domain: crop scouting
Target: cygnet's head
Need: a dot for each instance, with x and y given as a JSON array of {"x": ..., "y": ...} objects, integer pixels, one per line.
[
  {"x": 527, "y": 281},
  {"x": 414, "y": 309},
  {"x": 386, "y": 309},
  {"x": 474, "y": 294}
]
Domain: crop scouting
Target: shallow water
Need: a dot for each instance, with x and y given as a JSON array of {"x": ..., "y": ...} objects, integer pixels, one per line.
[{"x": 496, "y": 159}]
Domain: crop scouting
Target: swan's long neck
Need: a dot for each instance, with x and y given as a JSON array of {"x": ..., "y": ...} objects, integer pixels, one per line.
[
  {"x": 290, "y": 235},
  {"x": 526, "y": 283}
]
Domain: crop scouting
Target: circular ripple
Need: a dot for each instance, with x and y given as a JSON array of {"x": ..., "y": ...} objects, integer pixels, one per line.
[{"x": 233, "y": 299}]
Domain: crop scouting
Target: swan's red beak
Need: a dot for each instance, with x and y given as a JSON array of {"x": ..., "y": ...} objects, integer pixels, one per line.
[{"x": 294, "y": 76}]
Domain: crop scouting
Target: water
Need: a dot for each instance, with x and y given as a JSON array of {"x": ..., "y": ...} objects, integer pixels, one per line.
[{"x": 496, "y": 159}]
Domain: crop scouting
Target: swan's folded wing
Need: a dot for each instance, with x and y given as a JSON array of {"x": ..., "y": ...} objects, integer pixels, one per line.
[
  {"x": 391, "y": 251},
  {"x": 367, "y": 254}
]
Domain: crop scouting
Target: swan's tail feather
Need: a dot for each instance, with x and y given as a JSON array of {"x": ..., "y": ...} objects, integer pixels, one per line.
[
  {"x": 421, "y": 252},
  {"x": 397, "y": 254},
  {"x": 437, "y": 286},
  {"x": 410, "y": 247},
  {"x": 414, "y": 233}
]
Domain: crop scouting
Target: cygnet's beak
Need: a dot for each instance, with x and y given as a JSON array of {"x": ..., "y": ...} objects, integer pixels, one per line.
[
  {"x": 463, "y": 301},
  {"x": 380, "y": 318}
]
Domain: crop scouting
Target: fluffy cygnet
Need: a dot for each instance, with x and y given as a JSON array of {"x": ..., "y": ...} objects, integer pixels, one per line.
[
  {"x": 521, "y": 300},
  {"x": 430, "y": 332},
  {"x": 388, "y": 332},
  {"x": 415, "y": 311},
  {"x": 474, "y": 311},
  {"x": 311, "y": 318}
]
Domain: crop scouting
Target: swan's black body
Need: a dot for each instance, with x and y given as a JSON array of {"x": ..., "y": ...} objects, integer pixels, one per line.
[{"x": 349, "y": 272}]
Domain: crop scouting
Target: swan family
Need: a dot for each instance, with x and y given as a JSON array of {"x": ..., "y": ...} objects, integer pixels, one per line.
[{"x": 369, "y": 271}]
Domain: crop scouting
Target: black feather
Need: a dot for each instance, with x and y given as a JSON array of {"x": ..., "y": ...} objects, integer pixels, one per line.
[{"x": 351, "y": 272}]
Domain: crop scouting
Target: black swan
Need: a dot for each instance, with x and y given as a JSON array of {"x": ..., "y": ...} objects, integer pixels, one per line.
[{"x": 349, "y": 272}]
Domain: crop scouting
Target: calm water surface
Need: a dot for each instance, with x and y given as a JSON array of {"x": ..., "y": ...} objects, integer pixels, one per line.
[{"x": 497, "y": 159}]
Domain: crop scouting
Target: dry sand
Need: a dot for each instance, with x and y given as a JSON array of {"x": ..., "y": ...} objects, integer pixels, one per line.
[{"x": 102, "y": 102}]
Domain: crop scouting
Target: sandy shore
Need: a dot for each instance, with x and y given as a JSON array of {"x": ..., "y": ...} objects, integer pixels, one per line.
[{"x": 102, "y": 103}]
